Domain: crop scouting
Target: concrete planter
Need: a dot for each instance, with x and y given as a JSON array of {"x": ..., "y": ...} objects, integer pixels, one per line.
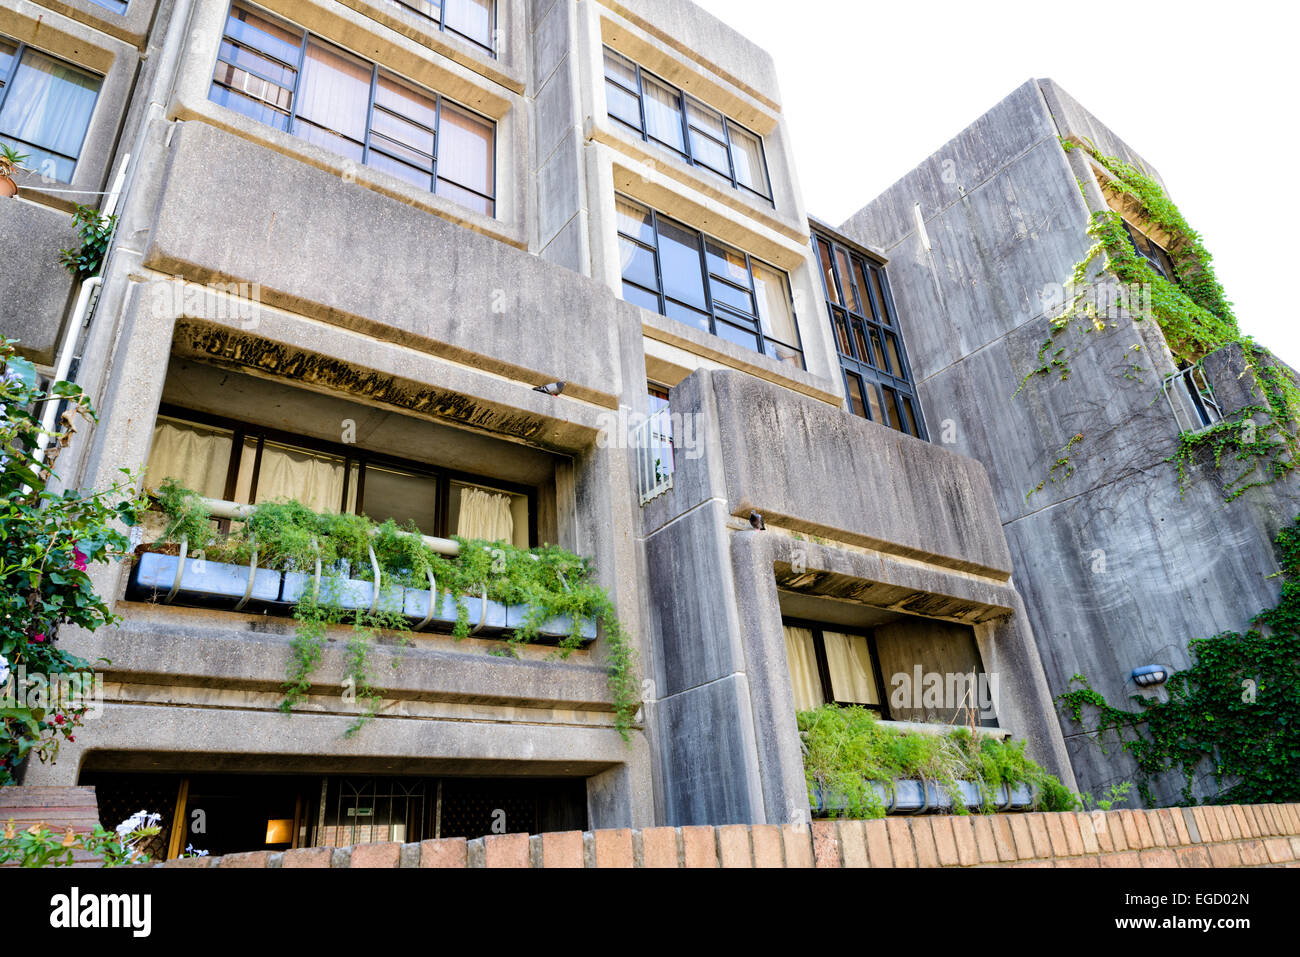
[
  {"x": 493, "y": 617},
  {"x": 561, "y": 626},
  {"x": 349, "y": 593},
  {"x": 205, "y": 580}
]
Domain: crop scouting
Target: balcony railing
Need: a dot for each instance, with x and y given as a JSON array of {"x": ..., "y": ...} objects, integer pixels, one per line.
[
  {"x": 1192, "y": 400},
  {"x": 652, "y": 441}
]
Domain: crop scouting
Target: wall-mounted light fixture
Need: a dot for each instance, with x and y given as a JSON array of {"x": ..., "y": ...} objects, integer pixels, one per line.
[{"x": 1149, "y": 676}]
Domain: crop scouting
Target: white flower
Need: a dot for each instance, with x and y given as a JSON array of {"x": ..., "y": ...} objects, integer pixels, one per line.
[
  {"x": 4, "y": 671},
  {"x": 136, "y": 822}
]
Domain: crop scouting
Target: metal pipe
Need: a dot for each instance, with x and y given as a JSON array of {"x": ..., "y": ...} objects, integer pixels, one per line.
[{"x": 236, "y": 512}]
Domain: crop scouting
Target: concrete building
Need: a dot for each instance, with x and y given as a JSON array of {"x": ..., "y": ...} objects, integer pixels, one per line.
[
  {"x": 1120, "y": 563},
  {"x": 354, "y": 238}
]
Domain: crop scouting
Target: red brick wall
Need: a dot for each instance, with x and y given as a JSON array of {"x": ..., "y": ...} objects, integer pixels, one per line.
[
  {"x": 59, "y": 808},
  {"x": 1255, "y": 836}
]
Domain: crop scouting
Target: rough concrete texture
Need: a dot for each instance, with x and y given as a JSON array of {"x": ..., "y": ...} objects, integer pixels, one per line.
[
  {"x": 926, "y": 842},
  {"x": 1118, "y": 567},
  {"x": 34, "y": 287}
]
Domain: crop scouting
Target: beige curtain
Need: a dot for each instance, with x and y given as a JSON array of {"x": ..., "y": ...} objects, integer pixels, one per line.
[
  {"x": 314, "y": 481},
  {"x": 485, "y": 515},
  {"x": 802, "y": 656},
  {"x": 466, "y": 151},
  {"x": 849, "y": 660},
  {"x": 334, "y": 93},
  {"x": 196, "y": 458}
]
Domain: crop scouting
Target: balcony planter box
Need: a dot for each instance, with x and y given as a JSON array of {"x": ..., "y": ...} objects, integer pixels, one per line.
[
  {"x": 918, "y": 797},
  {"x": 558, "y": 627},
  {"x": 203, "y": 581},
  {"x": 350, "y": 593},
  {"x": 417, "y": 607}
]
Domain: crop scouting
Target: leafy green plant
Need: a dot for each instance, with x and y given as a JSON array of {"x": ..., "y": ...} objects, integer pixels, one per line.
[
  {"x": 1230, "y": 713},
  {"x": 48, "y": 540},
  {"x": 552, "y": 581},
  {"x": 1116, "y": 794},
  {"x": 10, "y": 160},
  {"x": 38, "y": 846},
  {"x": 95, "y": 231},
  {"x": 849, "y": 756}
]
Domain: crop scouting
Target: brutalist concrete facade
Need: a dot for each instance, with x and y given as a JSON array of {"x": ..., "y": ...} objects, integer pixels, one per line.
[
  {"x": 430, "y": 326},
  {"x": 1118, "y": 566}
]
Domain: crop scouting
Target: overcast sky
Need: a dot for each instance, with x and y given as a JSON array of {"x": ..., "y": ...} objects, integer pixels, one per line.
[{"x": 1205, "y": 92}]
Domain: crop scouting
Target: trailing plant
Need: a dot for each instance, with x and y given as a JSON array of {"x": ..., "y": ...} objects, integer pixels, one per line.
[
  {"x": 551, "y": 581},
  {"x": 96, "y": 231},
  {"x": 39, "y": 846},
  {"x": 849, "y": 755},
  {"x": 1231, "y": 713},
  {"x": 48, "y": 540},
  {"x": 1196, "y": 319}
]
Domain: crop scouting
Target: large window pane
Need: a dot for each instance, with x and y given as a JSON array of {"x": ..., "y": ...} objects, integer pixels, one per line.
[
  {"x": 663, "y": 114},
  {"x": 747, "y": 155},
  {"x": 635, "y": 221},
  {"x": 805, "y": 680},
  {"x": 466, "y": 154},
  {"x": 679, "y": 260},
  {"x": 287, "y": 473},
  {"x": 471, "y": 18},
  {"x": 488, "y": 514},
  {"x": 7, "y": 52},
  {"x": 638, "y": 263},
  {"x": 196, "y": 456},
  {"x": 853, "y": 678},
  {"x": 47, "y": 112},
  {"x": 401, "y": 496},
  {"x": 249, "y": 28},
  {"x": 774, "y": 311},
  {"x": 333, "y": 100}
]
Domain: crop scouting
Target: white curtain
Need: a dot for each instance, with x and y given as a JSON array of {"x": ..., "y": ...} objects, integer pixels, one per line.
[
  {"x": 334, "y": 93},
  {"x": 196, "y": 458},
  {"x": 802, "y": 656},
  {"x": 473, "y": 18},
  {"x": 485, "y": 515},
  {"x": 465, "y": 153},
  {"x": 849, "y": 660},
  {"x": 663, "y": 114},
  {"x": 49, "y": 106},
  {"x": 314, "y": 481}
]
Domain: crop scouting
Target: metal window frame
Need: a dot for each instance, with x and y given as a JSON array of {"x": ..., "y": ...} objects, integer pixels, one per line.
[
  {"x": 352, "y": 455},
  {"x": 443, "y": 28},
  {"x": 375, "y": 68},
  {"x": 712, "y": 309},
  {"x": 883, "y": 321},
  {"x": 818, "y": 629},
  {"x": 6, "y": 85},
  {"x": 112, "y": 5},
  {"x": 688, "y": 153}
]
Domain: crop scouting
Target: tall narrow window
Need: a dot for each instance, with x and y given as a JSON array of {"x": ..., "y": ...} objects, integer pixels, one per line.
[
  {"x": 833, "y": 666},
  {"x": 666, "y": 115},
  {"x": 45, "y": 108},
  {"x": 284, "y": 77},
  {"x": 877, "y": 377},
  {"x": 683, "y": 274}
]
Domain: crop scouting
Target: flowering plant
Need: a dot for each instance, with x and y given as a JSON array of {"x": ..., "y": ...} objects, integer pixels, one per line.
[{"x": 38, "y": 846}]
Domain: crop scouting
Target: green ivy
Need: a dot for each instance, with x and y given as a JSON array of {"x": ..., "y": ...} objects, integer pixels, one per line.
[
  {"x": 847, "y": 751},
  {"x": 95, "y": 231},
  {"x": 289, "y": 536},
  {"x": 1233, "y": 712}
]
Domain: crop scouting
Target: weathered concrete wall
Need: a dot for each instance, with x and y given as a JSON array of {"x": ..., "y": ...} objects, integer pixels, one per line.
[
  {"x": 1118, "y": 567},
  {"x": 34, "y": 286}
]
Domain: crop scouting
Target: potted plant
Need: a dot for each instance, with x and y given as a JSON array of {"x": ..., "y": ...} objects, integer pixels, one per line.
[{"x": 10, "y": 160}]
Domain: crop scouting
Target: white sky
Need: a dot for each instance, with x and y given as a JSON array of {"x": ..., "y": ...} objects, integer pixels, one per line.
[{"x": 1207, "y": 93}]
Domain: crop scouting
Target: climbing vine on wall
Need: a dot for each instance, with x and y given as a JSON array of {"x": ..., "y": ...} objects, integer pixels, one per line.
[
  {"x": 1196, "y": 319},
  {"x": 1232, "y": 713}
]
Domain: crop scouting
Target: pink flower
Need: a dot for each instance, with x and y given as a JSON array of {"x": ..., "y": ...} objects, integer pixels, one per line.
[
  {"x": 78, "y": 559},
  {"x": 39, "y": 638}
]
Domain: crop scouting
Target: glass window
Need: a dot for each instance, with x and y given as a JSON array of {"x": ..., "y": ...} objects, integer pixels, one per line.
[
  {"x": 475, "y": 20},
  {"x": 744, "y": 301},
  {"x": 878, "y": 381},
  {"x": 853, "y": 679},
  {"x": 405, "y": 497},
  {"x": 45, "y": 109},
  {"x": 117, "y": 6},
  {"x": 347, "y": 105},
  {"x": 831, "y": 665},
  {"x": 489, "y": 514},
  {"x": 703, "y": 136}
]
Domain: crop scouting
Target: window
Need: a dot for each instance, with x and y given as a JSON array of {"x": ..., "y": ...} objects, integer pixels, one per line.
[
  {"x": 681, "y": 273},
  {"x": 702, "y": 136},
  {"x": 286, "y": 78},
  {"x": 1155, "y": 255},
  {"x": 877, "y": 377},
  {"x": 472, "y": 19},
  {"x": 45, "y": 108},
  {"x": 238, "y": 462},
  {"x": 117, "y": 6},
  {"x": 833, "y": 665}
]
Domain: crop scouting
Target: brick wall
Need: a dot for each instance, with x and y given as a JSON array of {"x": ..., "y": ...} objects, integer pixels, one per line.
[
  {"x": 1254, "y": 836},
  {"x": 58, "y": 807}
]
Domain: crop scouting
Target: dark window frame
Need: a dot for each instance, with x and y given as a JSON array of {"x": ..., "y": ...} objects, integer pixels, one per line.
[
  {"x": 869, "y": 327},
  {"x": 818, "y": 629},
  {"x": 352, "y": 455},
  {"x": 717, "y": 312},
  {"x": 413, "y": 6},
  {"x": 6, "y": 86},
  {"x": 291, "y": 117},
  {"x": 684, "y": 99},
  {"x": 1159, "y": 259}
]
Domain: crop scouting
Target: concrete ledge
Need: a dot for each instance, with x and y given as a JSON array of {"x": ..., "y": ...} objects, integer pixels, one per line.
[
  {"x": 1267, "y": 836},
  {"x": 35, "y": 289}
]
